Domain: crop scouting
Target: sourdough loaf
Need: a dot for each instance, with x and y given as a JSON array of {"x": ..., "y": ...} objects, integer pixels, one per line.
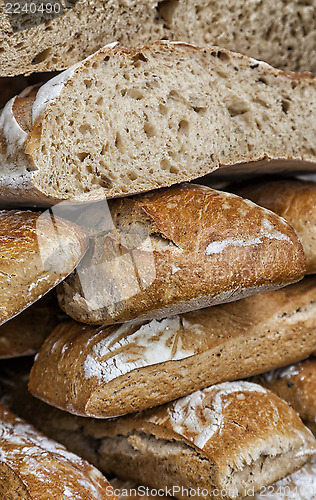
[
  {"x": 294, "y": 200},
  {"x": 261, "y": 425},
  {"x": 226, "y": 438},
  {"x": 34, "y": 467},
  {"x": 37, "y": 251},
  {"x": 24, "y": 334},
  {"x": 130, "y": 120},
  {"x": 280, "y": 32},
  {"x": 296, "y": 384},
  {"x": 109, "y": 371},
  {"x": 175, "y": 250}
]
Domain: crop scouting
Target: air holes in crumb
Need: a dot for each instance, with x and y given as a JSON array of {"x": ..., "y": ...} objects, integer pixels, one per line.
[
  {"x": 82, "y": 156},
  {"x": 165, "y": 165},
  {"x": 118, "y": 141},
  {"x": 88, "y": 83},
  {"x": 184, "y": 127},
  {"x": 285, "y": 105},
  {"x": 100, "y": 101},
  {"x": 166, "y": 10},
  {"x": 134, "y": 93},
  {"x": 199, "y": 110},
  {"x": 83, "y": 129},
  {"x": 42, "y": 56},
  {"x": 132, "y": 176},
  {"x": 106, "y": 59},
  {"x": 223, "y": 56},
  {"x": 139, "y": 58},
  {"x": 173, "y": 170},
  {"x": 237, "y": 108},
  {"x": 262, "y": 80},
  {"x": 163, "y": 109},
  {"x": 105, "y": 181},
  {"x": 150, "y": 130}
]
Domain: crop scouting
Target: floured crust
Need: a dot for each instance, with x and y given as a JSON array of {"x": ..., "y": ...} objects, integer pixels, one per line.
[
  {"x": 27, "y": 173},
  {"x": 37, "y": 252},
  {"x": 35, "y": 467},
  {"x": 297, "y": 385},
  {"x": 295, "y": 201},
  {"x": 176, "y": 250},
  {"x": 109, "y": 371}
]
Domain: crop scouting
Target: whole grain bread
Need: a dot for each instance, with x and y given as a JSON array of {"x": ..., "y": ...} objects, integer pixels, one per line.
[
  {"x": 296, "y": 384},
  {"x": 130, "y": 120},
  {"x": 280, "y": 32},
  {"x": 249, "y": 428},
  {"x": 293, "y": 199},
  {"x": 25, "y": 333},
  {"x": 175, "y": 250},
  {"x": 37, "y": 252},
  {"x": 110, "y": 371},
  {"x": 34, "y": 467}
]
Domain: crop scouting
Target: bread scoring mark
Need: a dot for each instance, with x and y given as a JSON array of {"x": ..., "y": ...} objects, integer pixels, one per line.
[
  {"x": 52, "y": 89},
  {"x": 121, "y": 353},
  {"x": 13, "y": 134},
  {"x": 266, "y": 231},
  {"x": 199, "y": 416}
]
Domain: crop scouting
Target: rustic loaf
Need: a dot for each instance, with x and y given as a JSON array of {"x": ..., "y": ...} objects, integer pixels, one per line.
[
  {"x": 228, "y": 437},
  {"x": 34, "y": 467},
  {"x": 130, "y": 120},
  {"x": 254, "y": 414},
  {"x": 109, "y": 371},
  {"x": 37, "y": 252},
  {"x": 280, "y": 32},
  {"x": 294, "y": 200},
  {"x": 25, "y": 333},
  {"x": 296, "y": 384},
  {"x": 175, "y": 250}
]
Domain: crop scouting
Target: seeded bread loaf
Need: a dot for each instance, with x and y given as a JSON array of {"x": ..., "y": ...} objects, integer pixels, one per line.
[
  {"x": 110, "y": 371},
  {"x": 175, "y": 250},
  {"x": 297, "y": 385},
  {"x": 130, "y": 120},
  {"x": 25, "y": 333},
  {"x": 280, "y": 32},
  {"x": 294, "y": 200},
  {"x": 34, "y": 467},
  {"x": 37, "y": 252}
]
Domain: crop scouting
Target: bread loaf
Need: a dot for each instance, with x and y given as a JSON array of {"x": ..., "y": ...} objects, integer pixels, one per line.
[
  {"x": 296, "y": 384},
  {"x": 130, "y": 120},
  {"x": 25, "y": 333},
  {"x": 175, "y": 250},
  {"x": 301, "y": 485},
  {"x": 253, "y": 427},
  {"x": 109, "y": 371},
  {"x": 37, "y": 251},
  {"x": 280, "y": 32},
  {"x": 294, "y": 200},
  {"x": 224, "y": 439},
  {"x": 34, "y": 467}
]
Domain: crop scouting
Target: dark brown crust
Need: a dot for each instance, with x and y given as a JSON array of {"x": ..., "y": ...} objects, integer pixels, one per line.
[
  {"x": 37, "y": 251},
  {"x": 295, "y": 201},
  {"x": 224, "y": 342},
  {"x": 189, "y": 219}
]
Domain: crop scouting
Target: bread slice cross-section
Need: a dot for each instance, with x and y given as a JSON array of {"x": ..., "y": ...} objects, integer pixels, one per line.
[{"x": 130, "y": 120}]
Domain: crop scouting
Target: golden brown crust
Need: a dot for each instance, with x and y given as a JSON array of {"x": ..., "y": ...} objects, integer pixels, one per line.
[
  {"x": 34, "y": 467},
  {"x": 109, "y": 371},
  {"x": 295, "y": 201},
  {"x": 176, "y": 250},
  {"x": 297, "y": 385},
  {"x": 37, "y": 251}
]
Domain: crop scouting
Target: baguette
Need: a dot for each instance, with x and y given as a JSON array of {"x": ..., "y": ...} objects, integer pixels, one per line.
[
  {"x": 37, "y": 252},
  {"x": 281, "y": 32},
  {"x": 294, "y": 200},
  {"x": 25, "y": 333},
  {"x": 176, "y": 250},
  {"x": 296, "y": 384},
  {"x": 125, "y": 121},
  {"x": 34, "y": 467},
  {"x": 110, "y": 371},
  {"x": 252, "y": 432}
]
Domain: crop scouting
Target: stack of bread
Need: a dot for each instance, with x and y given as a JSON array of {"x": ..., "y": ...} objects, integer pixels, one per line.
[{"x": 157, "y": 326}]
